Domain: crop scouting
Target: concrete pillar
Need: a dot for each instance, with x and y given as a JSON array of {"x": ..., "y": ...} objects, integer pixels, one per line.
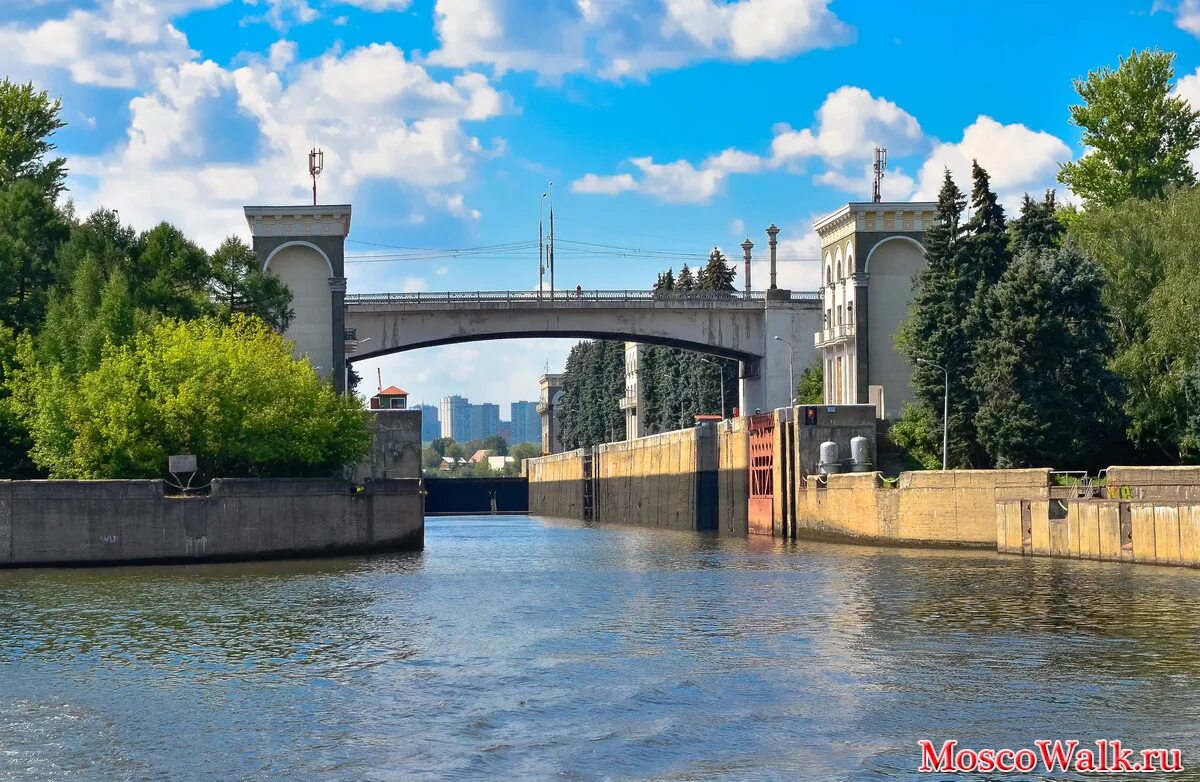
[
  {"x": 747, "y": 246},
  {"x": 773, "y": 242},
  {"x": 780, "y": 474}
]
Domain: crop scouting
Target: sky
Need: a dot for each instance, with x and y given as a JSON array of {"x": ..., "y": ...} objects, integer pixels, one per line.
[{"x": 667, "y": 127}]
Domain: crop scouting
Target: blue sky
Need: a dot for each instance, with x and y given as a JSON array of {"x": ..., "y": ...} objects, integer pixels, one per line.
[{"x": 664, "y": 124}]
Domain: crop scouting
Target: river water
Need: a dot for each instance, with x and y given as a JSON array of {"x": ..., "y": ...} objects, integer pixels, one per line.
[{"x": 519, "y": 648}]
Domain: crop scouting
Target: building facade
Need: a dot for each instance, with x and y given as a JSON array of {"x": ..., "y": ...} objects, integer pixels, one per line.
[
  {"x": 526, "y": 425},
  {"x": 431, "y": 424},
  {"x": 871, "y": 254},
  {"x": 549, "y": 401},
  {"x": 484, "y": 421},
  {"x": 455, "y": 415},
  {"x": 629, "y": 402}
]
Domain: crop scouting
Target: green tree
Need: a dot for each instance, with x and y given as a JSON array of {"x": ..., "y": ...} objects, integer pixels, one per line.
[
  {"x": 230, "y": 393},
  {"x": 686, "y": 281},
  {"x": 717, "y": 274},
  {"x": 31, "y": 231},
  {"x": 15, "y": 442},
  {"x": 810, "y": 389},
  {"x": 936, "y": 332},
  {"x": 1139, "y": 134},
  {"x": 238, "y": 286},
  {"x": 171, "y": 274},
  {"x": 28, "y": 118},
  {"x": 1039, "y": 226},
  {"x": 1041, "y": 377},
  {"x": 1151, "y": 263}
]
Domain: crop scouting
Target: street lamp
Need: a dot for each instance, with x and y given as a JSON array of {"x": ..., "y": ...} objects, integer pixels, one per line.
[
  {"x": 791, "y": 380},
  {"x": 721, "y": 376},
  {"x": 945, "y": 408}
]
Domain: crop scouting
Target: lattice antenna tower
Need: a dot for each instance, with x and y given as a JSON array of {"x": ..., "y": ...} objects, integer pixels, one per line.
[
  {"x": 880, "y": 165},
  {"x": 316, "y": 164}
]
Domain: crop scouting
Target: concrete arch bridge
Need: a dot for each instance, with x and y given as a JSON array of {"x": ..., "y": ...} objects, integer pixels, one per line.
[
  {"x": 734, "y": 325},
  {"x": 305, "y": 247}
]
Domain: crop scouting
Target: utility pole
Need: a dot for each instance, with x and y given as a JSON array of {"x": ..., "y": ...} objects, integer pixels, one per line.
[
  {"x": 541, "y": 258},
  {"x": 550, "y": 255}
]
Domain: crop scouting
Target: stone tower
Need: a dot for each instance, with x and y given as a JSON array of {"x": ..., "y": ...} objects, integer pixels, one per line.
[{"x": 304, "y": 246}]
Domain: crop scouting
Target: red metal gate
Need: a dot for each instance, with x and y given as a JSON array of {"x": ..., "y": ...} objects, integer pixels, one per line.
[{"x": 762, "y": 494}]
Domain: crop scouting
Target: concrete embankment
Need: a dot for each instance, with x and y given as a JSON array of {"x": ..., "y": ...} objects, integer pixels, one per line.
[{"x": 114, "y": 522}]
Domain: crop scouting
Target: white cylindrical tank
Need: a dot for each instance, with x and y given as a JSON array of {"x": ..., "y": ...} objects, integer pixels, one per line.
[
  {"x": 829, "y": 462},
  {"x": 860, "y": 454}
]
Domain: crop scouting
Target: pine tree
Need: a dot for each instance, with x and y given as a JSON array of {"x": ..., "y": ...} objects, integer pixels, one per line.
[
  {"x": 717, "y": 274},
  {"x": 936, "y": 331},
  {"x": 1044, "y": 388},
  {"x": 1038, "y": 227},
  {"x": 686, "y": 281},
  {"x": 988, "y": 244}
]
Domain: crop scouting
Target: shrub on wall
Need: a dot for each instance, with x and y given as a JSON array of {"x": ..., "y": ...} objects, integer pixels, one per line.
[{"x": 230, "y": 393}]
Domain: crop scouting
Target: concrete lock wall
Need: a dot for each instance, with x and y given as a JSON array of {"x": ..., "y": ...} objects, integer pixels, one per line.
[
  {"x": 395, "y": 446},
  {"x": 1143, "y": 531},
  {"x": 1154, "y": 483},
  {"x": 556, "y": 484},
  {"x": 954, "y": 508},
  {"x": 694, "y": 479},
  {"x": 110, "y": 522}
]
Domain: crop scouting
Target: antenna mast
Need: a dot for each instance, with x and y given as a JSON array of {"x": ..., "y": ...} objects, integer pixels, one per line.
[
  {"x": 880, "y": 165},
  {"x": 316, "y": 164}
]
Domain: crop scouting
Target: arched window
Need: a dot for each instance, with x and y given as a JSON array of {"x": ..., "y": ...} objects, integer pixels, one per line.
[{"x": 839, "y": 270}]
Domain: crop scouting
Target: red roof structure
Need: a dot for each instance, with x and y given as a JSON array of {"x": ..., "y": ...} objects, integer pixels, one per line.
[{"x": 392, "y": 391}]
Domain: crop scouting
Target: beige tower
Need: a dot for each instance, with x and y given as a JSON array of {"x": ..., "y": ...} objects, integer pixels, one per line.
[
  {"x": 304, "y": 246},
  {"x": 870, "y": 255},
  {"x": 549, "y": 401}
]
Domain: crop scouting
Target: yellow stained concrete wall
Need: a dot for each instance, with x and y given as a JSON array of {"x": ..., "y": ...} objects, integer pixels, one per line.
[
  {"x": 649, "y": 481},
  {"x": 733, "y": 480},
  {"x": 1154, "y": 483},
  {"x": 952, "y": 508},
  {"x": 1161, "y": 532},
  {"x": 556, "y": 485}
]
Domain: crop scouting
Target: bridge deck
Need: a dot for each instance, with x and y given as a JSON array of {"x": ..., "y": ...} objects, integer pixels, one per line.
[{"x": 732, "y": 299}]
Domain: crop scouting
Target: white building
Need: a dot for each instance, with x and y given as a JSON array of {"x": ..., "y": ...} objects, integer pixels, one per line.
[{"x": 871, "y": 254}]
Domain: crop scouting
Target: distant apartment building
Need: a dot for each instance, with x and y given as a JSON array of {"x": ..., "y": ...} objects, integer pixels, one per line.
[
  {"x": 431, "y": 426},
  {"x": 484, "y": 421},
  {"x": 456, "y": 418},
  {"x": 526, "y": 423},
  {"x": 506, "y": 431}
]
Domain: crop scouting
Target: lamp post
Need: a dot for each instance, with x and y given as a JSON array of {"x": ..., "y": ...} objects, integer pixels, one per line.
[
  {"x": 721, "y": 377},
  {"x": 791, "y": 380},
  {"x": 541, "y": 257},
  {"x": 945, "y": 408}
]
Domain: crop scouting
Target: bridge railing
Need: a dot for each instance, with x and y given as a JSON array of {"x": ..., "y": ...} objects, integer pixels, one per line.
[{"x": 562, "y": 297}]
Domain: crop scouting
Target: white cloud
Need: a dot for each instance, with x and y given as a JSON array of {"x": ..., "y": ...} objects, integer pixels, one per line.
[
  {"x": 1189, "y": 87},
  {"x": 618, "y": 38},
  {"x": 604, "y": 185},
  {"x": 1017, "y": 159},
  {"x": 377, "y": 5},
  {"x": 281, "y": 54},
  {"x": 897, "y": 185},
  {"x": 119, "y": 43},
  {"x": 850, "y": 124},
  {"x": 1187, "y": 15},
  {"x": 398, "y": 124}
]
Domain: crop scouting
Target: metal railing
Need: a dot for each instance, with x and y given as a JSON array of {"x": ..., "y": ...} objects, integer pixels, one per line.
[{"x": 564, "y": 297}]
